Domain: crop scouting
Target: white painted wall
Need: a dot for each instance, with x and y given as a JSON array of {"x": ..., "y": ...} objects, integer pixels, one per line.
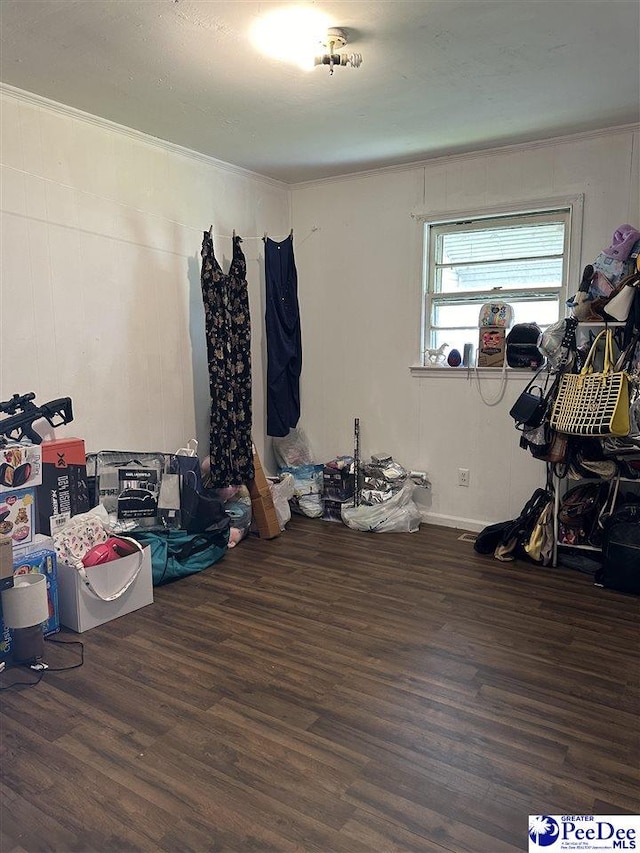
[
  {"x": 100, "y": 275},
  {"x": 100, "y": 292},
  {"x": 358, "y": 253}
]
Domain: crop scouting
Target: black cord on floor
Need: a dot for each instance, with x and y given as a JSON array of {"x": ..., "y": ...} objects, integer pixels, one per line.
[
  {"x": 42, "y": 672},
  {"x": 66, "y": 643},
  {"x": 23, "y": 683}
]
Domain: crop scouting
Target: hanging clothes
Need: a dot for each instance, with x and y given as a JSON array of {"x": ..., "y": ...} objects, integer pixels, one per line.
[
  {"x": 284, "y": 340},
  {"x": 228, "y": 332}
]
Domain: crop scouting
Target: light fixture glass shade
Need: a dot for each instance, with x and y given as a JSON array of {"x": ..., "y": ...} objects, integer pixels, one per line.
[
  {"x": 25, "y": 603},
  {"x": 293, "y": 34}
]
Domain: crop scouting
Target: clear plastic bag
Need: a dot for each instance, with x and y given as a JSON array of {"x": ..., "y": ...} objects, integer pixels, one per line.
[
  {"x": 307, "y": 479},
  {"x": 127, "y": 484},
  {"x": 292, "y": 449},
  {"x": 307, "y": 495},
  {"x": 399, "y": 514}
]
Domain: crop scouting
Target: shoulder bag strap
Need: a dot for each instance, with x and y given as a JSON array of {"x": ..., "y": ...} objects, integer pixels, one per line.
[
  {"x": 502, "y": 389},
  {"x": 130, "y": 580},
  {"x": 608, "y": 349}
]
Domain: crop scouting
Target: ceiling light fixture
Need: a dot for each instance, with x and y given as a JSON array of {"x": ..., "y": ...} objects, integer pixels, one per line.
[
  {"x": 336, "y": 39},
  {"x": 292, "y": 34},
  {"x": 301, "y": 36}
]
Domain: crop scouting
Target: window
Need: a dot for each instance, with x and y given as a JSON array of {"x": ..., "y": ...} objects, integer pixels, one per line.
[{"x": 519, "y": 258}]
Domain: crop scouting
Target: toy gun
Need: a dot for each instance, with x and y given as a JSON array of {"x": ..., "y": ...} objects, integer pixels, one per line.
[{"x": 23, "y": 412}]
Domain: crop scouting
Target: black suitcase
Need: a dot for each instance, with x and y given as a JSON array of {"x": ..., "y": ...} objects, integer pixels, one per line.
[{"x": 621, "y": 551}]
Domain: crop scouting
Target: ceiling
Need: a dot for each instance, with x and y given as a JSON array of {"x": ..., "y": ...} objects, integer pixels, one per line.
[{"x": 438, "y": 77}]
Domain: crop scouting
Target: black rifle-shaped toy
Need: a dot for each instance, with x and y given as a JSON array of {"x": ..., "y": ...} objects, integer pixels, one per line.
[{"x": 23, "y": 412}]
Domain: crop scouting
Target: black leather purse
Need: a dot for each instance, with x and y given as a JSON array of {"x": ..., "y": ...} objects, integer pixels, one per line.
[{"x": 530, "y": 409}]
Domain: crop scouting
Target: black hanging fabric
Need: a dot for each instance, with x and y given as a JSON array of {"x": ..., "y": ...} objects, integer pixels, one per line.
[
  {"x": 284, "y": 340},
  {"x": 228, "y": 331}
]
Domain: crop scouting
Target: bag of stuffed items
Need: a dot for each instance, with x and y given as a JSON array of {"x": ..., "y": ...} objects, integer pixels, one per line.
[{"x": 176, "y": 553}]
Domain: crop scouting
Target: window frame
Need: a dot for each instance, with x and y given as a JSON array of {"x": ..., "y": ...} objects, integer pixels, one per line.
[{"x": 571, "y": 206}]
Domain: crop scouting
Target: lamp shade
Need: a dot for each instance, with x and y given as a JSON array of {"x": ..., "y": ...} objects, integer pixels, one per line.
[{"x": 25, "y": 603}]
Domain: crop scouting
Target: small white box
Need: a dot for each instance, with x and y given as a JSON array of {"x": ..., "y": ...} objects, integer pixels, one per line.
[
  {"x": 81, "y": 608},
  {"x": 20, "y": 467}
]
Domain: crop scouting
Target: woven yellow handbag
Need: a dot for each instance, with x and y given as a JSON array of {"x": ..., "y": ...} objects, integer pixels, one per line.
[{"x": 591, "y": 403}]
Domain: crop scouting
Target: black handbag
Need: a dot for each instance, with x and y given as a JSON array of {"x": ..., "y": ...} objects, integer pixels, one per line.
[
  {"x": 201, "y": 513},
  {"x": 530, "y": 408}
]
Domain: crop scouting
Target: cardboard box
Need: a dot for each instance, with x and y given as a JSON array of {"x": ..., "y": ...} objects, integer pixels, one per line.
[
  {"x": 43, "y": 562},
  {"x": 63, "y": 491},
  {"x": 337, "y": 485},
  {"x": 82, "y": 609},
  {"x": 491, "y": 346},
  {"x": 17, "y": 515},
  {"x": 39, "y": 543},
  {"x": 259, "y": 486},
  {"x": 20, "y": 467},
  {"x": 6, "y": 563},
  {"x": 265, "y": 517}
]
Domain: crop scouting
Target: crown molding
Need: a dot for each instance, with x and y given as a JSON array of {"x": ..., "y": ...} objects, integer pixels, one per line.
[
  {"x": 471, "y": 155},
  {"x": 174, "y": 148},
  {"x": 138, "y": 135}
]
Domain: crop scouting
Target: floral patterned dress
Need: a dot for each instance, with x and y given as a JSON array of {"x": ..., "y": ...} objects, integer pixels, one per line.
[{"x": 228, "y": 331}]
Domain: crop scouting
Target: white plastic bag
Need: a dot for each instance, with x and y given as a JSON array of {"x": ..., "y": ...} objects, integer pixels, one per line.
[
  {"x": 190, "y": 450},
  {"x": 399, "y": 514},
  {"x": 282, "y": 490}
]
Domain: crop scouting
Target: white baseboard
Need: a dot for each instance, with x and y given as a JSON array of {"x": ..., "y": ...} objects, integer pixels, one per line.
[{"x": 453, "y": 521}]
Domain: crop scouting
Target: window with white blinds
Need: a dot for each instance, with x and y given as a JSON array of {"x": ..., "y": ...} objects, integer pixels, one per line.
[{"x": 516, "y": 258}]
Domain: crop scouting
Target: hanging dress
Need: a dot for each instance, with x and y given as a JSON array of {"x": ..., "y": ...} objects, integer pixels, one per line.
[
  {"x": 284, "y": 340},
  {"x": 228, "y": 332}
]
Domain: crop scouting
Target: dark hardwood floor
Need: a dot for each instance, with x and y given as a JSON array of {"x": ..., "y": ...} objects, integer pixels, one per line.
[{"x": 332, "y": 691}]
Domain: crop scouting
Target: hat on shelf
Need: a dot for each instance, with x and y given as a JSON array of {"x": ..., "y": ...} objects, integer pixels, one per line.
[{"x": 622, "y": 242}]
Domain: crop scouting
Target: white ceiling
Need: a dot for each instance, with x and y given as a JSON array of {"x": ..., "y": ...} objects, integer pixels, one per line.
[{"x": 437, "y": 77}]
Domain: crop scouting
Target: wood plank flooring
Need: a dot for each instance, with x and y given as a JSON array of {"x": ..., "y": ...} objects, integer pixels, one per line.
[{"x": 331, "y": 690}]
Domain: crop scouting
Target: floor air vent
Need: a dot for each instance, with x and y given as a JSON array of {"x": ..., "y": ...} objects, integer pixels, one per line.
[{"x": 468, "y": 537}]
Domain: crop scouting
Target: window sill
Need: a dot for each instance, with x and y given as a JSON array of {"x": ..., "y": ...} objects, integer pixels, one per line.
[{"x": 435, "y": 372}]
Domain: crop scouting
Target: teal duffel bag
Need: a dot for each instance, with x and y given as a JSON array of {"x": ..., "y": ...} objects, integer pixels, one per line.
[{"x": 176, "y": 553}]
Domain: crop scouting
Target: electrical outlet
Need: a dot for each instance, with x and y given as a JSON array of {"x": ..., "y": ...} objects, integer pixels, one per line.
[{"x": 463, "y": 476}]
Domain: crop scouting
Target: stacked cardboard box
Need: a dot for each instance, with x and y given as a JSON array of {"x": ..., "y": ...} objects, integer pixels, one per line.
[
  {"x": 262, "y": 508},
  {"x": 63, "y": 491}
]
